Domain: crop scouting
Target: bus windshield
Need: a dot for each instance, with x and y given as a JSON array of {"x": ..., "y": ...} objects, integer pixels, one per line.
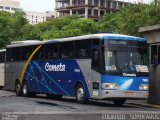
[{"x": 126, "y": 59}]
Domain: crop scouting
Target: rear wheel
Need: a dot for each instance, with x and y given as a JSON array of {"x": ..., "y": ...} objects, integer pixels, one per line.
[
  {"x": 119, "y": 102},
  {"x": 25, "y": 92},
  {"x": 80, "y": 94},
  {"x": 52, "y": 96},
  {"x": 18, "y": 88}
]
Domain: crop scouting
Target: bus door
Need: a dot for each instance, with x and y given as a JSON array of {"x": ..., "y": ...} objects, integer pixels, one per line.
[{"x": 95, "y": 72}]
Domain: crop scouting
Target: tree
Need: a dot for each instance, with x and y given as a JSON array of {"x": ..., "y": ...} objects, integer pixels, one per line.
[
  {"x": 71, "y": 26},
  {"x": 11, "y": 25},
  {"x": 129, "y": 19}
]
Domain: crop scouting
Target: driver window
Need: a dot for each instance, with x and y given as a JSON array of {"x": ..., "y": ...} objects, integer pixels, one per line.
[{"x": 95, "y": 59}]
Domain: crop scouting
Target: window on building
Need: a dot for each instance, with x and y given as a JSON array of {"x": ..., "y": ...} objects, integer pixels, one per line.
[
  {"x": 102, "y": 3},
  {"x": 95, "y": 2},
  {"x": 114, "y": 5},
  {"x": 90, "y": 2},
  {"x": 7, "y": 8},
  {"x": 89, "y": 11},
  {"x": 102, "y": 13},
  {"x": 95, "y": 12},
  {"x": 1, "y": 7},
  {"x": 14, "y": 9}
]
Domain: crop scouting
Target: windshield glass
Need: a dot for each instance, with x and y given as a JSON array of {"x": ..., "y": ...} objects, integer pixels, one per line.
[{"x": 126, "y": 59}]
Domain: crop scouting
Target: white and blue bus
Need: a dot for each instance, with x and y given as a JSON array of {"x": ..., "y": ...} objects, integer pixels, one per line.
[{"x": 98, "y": 66}]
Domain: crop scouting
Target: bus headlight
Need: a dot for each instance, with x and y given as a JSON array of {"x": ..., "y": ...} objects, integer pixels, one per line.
[
  {"x": 144, "y": 87},
  {"x": 110, "y": 86}
]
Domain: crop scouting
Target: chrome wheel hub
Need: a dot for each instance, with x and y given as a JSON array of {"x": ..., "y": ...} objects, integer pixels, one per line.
[
  {"x": 25, "y": 89},
  {"x": 80, "y": 93}
]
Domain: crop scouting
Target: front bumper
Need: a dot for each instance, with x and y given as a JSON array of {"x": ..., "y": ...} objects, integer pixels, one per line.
[{"x": 107, "y": 94}]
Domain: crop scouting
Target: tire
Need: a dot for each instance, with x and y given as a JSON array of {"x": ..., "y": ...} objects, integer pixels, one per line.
[
  {"x": 18, "y": 88},
  {"x": 80, "y": 94},
  {"x": 119, "y": 102},
  {"x": 52, "y": 96},
  {"x": 25, "y": 91}
]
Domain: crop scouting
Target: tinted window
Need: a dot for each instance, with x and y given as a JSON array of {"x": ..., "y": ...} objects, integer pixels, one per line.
[
  {"x": 66, "y": 49},
  {"x": 26, "y": 52},
  {"x": 154, "y": 54},
  {"x": 8, "y": 54},
  {"x": 96, "y": 59},
  {"x": 16, "y": 54},
  {"x": 2, "y": 57},
  {"x": 39, "y": 55},
  {"x": 83, "y": 49},
  {"x": 51, "y": 51}
]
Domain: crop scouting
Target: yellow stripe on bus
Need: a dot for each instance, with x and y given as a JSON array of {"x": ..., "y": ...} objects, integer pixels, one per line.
[{"x": 26, "y": 64}]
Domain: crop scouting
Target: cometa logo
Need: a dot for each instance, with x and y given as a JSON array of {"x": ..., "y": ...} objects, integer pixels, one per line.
[
  {"x": 59, "y": 67},
  {"x": 126, "y": 74}
]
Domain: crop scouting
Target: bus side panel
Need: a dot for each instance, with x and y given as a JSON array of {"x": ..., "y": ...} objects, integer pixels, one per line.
[
  {"x": 54, "y": 77},
  {"x": 13, "y": 71},
  {"x": 1, "y": 74},
  {"x": 85, "y": 67}
]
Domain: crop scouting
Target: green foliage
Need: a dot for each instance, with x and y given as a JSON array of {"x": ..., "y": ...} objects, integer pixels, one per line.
[
  {"x": 70, "y": 26},
  {"x": 129, "y": 19},
  {"x": 14, "y": 26},
  {"x": 10, "y": 26}
]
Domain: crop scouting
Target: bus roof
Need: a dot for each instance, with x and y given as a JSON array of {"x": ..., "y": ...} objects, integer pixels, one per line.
[
  {"x": 2, "y": 50},
  {"x": 101, "y": 36}
]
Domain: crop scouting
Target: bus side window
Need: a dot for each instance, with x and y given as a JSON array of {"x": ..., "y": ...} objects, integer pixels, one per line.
[
  {"x": 51, "y": 51},
  {"x": 8, "y": 54},
  {"x": 82, "y": 49},
  {"x": 39, "y": 55},
  {"x": 2, "y": 57},
  {"x": 66, "y": 50},
  {"x": 26, "y": 52},
  {"x": 95, "y": 59}
]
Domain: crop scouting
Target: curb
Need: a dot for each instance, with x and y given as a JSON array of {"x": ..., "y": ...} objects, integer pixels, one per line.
[{"x": 147, "y": 105}]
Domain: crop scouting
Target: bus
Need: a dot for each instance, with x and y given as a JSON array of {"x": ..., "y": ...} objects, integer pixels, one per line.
[
  {"x": 97, "y": 66},
  {"x": 2, "y": 61}
]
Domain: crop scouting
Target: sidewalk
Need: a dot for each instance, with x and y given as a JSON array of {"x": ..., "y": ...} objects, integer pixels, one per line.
[
  {"x": 144, "y": 103},
  {"x": 4, "y": 93}
]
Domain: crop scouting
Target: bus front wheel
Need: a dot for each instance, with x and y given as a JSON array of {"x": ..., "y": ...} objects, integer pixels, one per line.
[
  {"x": 18, "y": 88},
  {"x": 80, "y": 94},
  {"x": 119, "y": 102}
]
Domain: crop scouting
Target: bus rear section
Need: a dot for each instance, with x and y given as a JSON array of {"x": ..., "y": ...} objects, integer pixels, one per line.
[{"x": 2, "y": 62}]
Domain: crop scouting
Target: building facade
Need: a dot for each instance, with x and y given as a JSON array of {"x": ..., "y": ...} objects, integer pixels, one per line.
[
  {"x": 38, "y": 17},
  {"x": 9, "y": 5},
  {"x": 87, "y": 8}
]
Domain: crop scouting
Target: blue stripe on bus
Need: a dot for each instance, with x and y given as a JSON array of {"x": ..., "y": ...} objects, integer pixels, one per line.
[{"x": 123, "y": 38}]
